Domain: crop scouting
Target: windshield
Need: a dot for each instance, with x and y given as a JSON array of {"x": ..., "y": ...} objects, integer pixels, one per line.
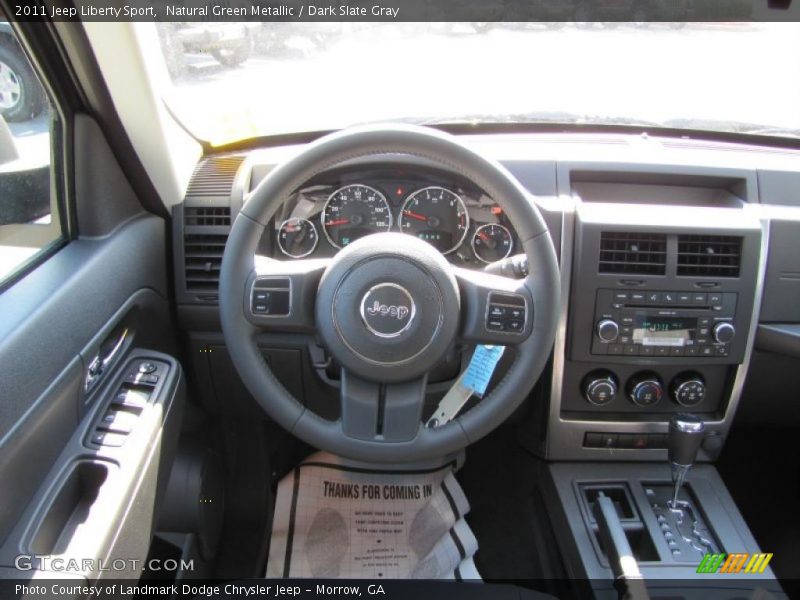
[{"x": 233, "y": 80}]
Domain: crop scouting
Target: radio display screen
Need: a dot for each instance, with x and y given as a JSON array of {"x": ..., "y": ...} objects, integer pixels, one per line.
[{"x": 663, "y": 331}]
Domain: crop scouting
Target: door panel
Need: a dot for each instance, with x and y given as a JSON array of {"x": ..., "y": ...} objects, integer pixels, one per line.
[{"x": 57, "y": 319}]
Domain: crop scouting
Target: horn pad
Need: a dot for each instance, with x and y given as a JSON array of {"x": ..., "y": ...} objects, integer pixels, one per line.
[{"x": 388, "y": 307}]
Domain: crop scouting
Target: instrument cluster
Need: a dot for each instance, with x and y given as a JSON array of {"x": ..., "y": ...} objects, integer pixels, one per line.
[{"x": 455, "y": 218}]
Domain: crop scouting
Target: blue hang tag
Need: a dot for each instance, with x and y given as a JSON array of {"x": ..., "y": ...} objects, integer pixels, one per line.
[{"x": 481, "y": 366}]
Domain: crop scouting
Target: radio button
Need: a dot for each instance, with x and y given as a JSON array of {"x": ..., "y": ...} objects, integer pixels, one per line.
[
  {"x": 676, "y": 351},
  {"x": 692, "y": 351},
  {"x": 670, "y": 297},
  {"x": 724, "y": 332},
  {"x": 631, "y": 350},
  {"x": 707, "y": 351},
  {"x": 662, "y": 351},
  {"x": 684, "y": 298},
  {"x": 621, "y": 296},
  {"x": 637, "y": 297},
  {"x": 715, "y": 298},
  {"x": 647, "y": 351},
  {"x": 615, "y": 349},
  {"x": 607, "y": 330},
  {"x": 700, "y": 299},
  {"x": 653, "y": 298},
  {"x": 722, "y": 351}
]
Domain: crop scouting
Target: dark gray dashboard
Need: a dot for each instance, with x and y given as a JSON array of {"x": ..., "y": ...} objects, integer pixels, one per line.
[{"x": 699, "y": 200}]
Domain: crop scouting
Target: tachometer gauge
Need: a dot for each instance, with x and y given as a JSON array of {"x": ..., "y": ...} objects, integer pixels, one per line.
[
  {"x": 354, "y": 211},
  {"x": 437, "y": 216},
  {"x": 297, "y": 237},
  {"x": 492, "y": 242}
]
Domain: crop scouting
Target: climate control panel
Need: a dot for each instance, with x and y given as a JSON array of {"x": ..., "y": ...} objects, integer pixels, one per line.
[{"x": 644, "y": 391}]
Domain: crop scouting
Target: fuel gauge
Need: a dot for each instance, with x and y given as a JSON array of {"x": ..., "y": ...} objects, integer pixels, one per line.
[
  {"x": 297, "y": 237},
  {"x": 492, "y": 242}
]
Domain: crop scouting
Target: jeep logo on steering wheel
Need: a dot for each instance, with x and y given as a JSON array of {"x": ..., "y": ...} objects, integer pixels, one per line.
[{"x": 387, "y": 310}]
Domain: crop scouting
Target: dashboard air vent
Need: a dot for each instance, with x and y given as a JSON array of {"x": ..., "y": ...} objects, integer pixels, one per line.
[
  {"x": 214, "y": 176},
  {"x": 203, "y": 259},
  {"x": 633, "y": 253},
  {"x": 709, "y": 255},
  {"x": 207, "y": 216}
]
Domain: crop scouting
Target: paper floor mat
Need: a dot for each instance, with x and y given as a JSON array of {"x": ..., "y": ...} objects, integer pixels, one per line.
[{"x": 333, "y": 519}]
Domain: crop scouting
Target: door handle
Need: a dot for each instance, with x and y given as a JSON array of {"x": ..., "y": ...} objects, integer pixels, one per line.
[{"x": 108, "y": 353}]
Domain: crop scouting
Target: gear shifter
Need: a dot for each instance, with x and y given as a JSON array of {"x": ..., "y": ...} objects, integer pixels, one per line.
[{"x": 685, "y": 435}]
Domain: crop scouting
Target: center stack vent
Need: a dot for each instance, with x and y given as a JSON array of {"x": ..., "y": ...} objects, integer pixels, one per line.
[
  {"x": 709, "y": 255},
  {"x": 633, "y": 253}
]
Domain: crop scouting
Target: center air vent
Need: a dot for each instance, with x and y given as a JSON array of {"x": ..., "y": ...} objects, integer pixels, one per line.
[
  {"x": 203, "y": 259},
  {"x": 633, "y": 253},
  {"x": 709, "y": 255}
]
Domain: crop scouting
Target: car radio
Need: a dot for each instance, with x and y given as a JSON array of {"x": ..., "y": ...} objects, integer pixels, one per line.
[{"x": 664, "y": 323}]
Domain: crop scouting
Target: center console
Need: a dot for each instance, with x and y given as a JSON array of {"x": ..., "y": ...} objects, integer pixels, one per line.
[{"x": 661, "y": 284}]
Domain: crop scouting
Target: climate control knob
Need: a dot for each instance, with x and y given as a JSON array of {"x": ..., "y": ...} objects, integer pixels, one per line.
[
  {"x": 645, "y": 389},
  {"x": 607, "y": 330},
  {"x": 724, "y": 332},
  {"x": 600, "y": 387},
  {"x": 688, "y": 389}
]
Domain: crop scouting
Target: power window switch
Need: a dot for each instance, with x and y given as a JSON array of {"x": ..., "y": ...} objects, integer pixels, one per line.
[
  {"x": 104, "y": 438},
  {"x": 132, "y": 398},
  {"x": 117, "y": 421}
]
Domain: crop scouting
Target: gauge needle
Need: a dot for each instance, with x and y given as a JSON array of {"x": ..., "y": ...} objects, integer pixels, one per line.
[
  {"x": 483, "y": 236},
  {"x": 337, "y": 222},
  {"x": 414, "y": 215}
]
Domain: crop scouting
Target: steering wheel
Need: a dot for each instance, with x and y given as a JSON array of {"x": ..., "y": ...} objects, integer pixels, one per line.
[{"x": 388, "y": 307}]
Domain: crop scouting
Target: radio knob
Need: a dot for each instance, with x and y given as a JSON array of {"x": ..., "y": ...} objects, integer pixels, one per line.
[
  {"x": 607, "y": 330},
  {"x": 600, "y": 388},
  {"x": 688, "y": 389},
  {"x": 724, "y": 332},
  {"x": 645, "y": 390}
]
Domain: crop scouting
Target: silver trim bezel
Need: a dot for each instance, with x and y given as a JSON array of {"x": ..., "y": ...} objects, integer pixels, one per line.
[
  {"x": 407, "y": 326},
  {"x": 285, "y": 252},
  {"x": 565, "y": 436},
  {"x": 412, "y": 195},
  {"x": 344, "y": 187},
  {"x": 503, "y": 227},
  {"x": 258, "y": 278},
  {"x": 489, "y": 303}
]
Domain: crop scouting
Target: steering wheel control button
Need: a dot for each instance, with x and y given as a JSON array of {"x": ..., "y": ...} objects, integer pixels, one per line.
[
  {"x": 388, "y": 310},
  {"x": 271, "y": 297},
  {"x": 505, "y": 312}
]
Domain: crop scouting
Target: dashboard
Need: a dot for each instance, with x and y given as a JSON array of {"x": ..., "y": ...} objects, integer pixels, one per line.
[
  {"x": 339, "y": 207},
  {"x": 674, "y": 256}
]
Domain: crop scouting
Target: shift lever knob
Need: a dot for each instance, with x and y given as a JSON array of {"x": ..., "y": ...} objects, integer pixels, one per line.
[{"x": 685, "y": 435}]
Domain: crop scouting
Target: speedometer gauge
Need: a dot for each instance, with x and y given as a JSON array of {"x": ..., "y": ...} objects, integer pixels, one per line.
[
  {"x": 297, "y": 237},
  {"x": 492, "y": 242},
  {"x": 354, "y": 211},
  {"x": 436, "y": 215}
]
